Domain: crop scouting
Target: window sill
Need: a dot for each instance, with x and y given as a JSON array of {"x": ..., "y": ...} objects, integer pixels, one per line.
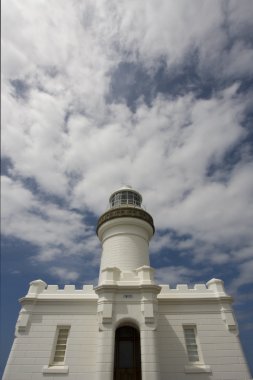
[
  {"x": 197, "y": 368},
  {"x": 55, "y": 369}
]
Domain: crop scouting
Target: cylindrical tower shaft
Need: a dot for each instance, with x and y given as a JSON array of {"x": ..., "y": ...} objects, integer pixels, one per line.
[{"x": 125, "y": 231}]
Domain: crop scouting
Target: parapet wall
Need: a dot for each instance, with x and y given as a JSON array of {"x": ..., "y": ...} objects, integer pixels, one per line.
[
  {"x": 212, "y": 289},
  {"x": 40, "y": 290},
  {"x": 114, "y": 277}
]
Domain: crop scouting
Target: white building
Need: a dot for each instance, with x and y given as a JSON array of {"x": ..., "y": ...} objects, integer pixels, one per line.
[{"x": 128, "y": 327}]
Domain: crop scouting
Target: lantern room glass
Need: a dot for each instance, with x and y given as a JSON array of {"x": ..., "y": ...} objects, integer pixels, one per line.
[{"x": 125, "y": 198}]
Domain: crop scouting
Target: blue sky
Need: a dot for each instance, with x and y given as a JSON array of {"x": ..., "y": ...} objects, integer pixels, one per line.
[{"x": 155, "y": 94}]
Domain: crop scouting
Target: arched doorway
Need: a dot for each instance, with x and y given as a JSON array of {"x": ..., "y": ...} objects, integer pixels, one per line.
[{"x": 127, "y": 357}]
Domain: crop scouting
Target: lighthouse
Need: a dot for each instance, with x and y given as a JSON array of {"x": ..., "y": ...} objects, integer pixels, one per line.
[
  {"x": 125, "y": 231},
  {"x": 126, "y": 282},
  {"x": 127, "y": 327}
]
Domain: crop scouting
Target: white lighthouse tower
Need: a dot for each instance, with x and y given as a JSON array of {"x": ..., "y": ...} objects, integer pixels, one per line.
[
  {"x": 127, "y": 327},
  {"x": 126, "y": 290},
  {"x": 124, "y": 231}
]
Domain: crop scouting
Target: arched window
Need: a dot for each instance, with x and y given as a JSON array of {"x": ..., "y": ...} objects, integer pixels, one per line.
[{"x": 127, "y": 358}]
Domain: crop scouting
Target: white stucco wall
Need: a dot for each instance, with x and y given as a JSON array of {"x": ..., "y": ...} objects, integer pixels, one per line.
[
  {"x": 219, "y": 349},
  {"x": 207, "y": 308},
  {"x": 36, "y": 331},
  {"x": 125, "y": 243},
  {"x": 127, "y": 298},
  {"x": 33, "y": 349}
]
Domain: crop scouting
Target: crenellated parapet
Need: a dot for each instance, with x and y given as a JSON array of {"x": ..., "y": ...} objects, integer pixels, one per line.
[
  {"x": 39, "y": 290},
  {"x": 212, "y": 289}
]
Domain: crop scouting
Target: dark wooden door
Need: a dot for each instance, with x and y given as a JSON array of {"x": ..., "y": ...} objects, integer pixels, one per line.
[{"x": 127, "y": 359}]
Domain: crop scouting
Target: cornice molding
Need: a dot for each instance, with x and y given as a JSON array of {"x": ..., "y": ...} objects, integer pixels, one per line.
[{"x": 125, "y": 212}]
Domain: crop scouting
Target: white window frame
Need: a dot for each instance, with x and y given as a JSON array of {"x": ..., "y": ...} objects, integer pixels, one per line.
[
  {"x": 54, "y": 365},
  {"x": 195, "y": 366},
  {"x": 62, "y": 334},
  {"x": 194, "y": 344}
]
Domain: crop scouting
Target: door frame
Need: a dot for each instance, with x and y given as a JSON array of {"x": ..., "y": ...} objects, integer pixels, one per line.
[{"x": 134, "y": 373}]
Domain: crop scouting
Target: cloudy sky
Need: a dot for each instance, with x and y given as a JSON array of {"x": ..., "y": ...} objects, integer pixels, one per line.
[{"x": 155, "y": 94}]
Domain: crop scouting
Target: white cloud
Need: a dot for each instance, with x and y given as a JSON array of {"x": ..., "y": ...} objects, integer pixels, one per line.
[
  {"x": 175, "y": 275},
  {"x": 55, "y": 231},
  {"x": 76, "y": 146},
  {"x": 158, "y": 242},
  {"x": 64, "y": 274},
  {"x": 245, "y": 274}
]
